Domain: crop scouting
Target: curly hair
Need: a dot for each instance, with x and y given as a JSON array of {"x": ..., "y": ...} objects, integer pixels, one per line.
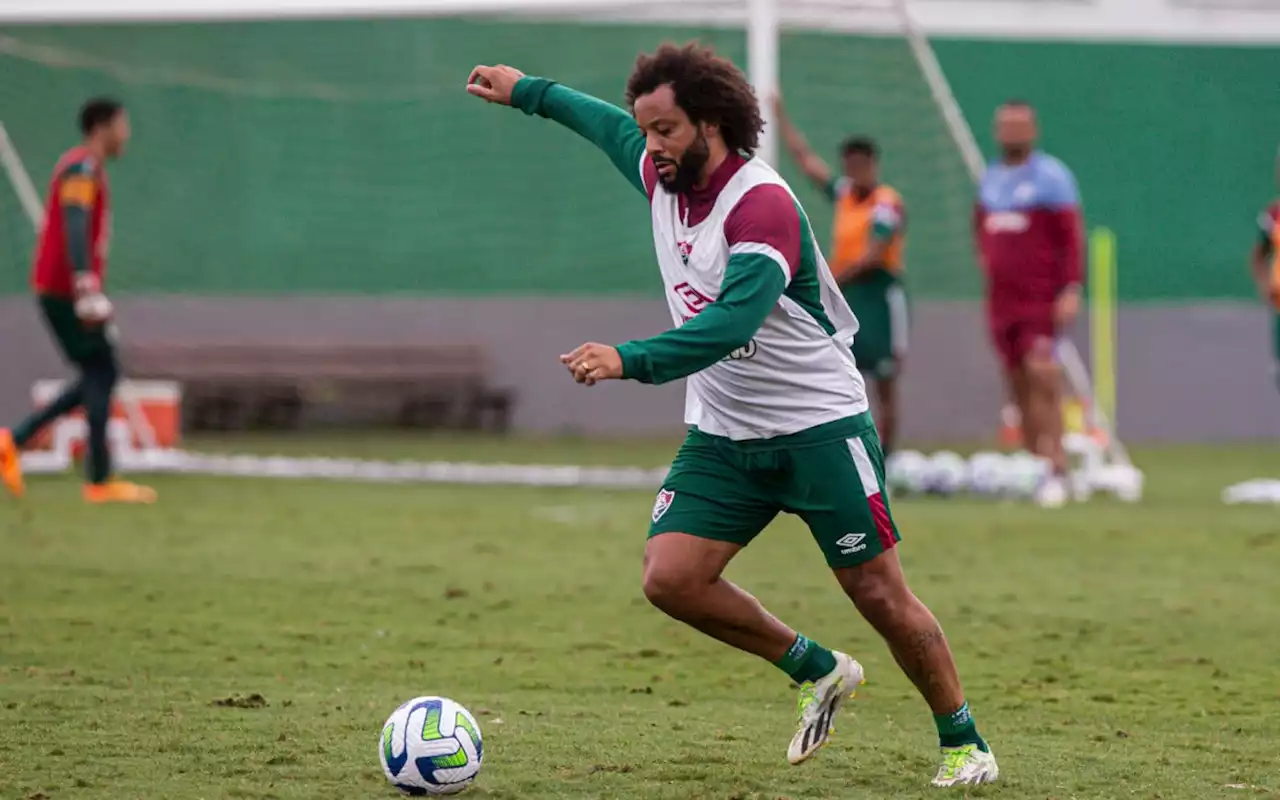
[{"x": 707, "y": 87}]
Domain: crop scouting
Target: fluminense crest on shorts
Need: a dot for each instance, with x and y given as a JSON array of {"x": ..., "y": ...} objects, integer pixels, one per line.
[{"x": 662, "y": 503}]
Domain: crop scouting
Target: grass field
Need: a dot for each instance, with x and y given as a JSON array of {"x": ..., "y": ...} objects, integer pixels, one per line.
[{"x": 1109, "y": 651}]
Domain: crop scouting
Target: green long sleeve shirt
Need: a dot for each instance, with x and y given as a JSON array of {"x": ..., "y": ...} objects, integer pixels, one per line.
[{"x": 75, "y": 221}]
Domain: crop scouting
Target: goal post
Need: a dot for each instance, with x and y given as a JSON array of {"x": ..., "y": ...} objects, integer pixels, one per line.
[{"x": 19, "y": 178}]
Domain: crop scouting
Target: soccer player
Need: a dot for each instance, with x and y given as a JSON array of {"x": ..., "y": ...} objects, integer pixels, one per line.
[
  {"x": 1029, "y": 236},
  {"x": 777, "y": 409},
  {"x": 70, "y": 263},
  {"x": 868, "y": 240},
  {"x": 1265, "y": 261}
]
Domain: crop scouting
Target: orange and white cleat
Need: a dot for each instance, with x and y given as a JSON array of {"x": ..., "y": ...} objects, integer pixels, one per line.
[
  {"x": 117, "y": 491},
  {"x": 11, "y": 465}
]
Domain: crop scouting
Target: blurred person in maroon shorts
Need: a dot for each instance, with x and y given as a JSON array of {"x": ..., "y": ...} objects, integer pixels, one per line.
[{"x": 1027, "y": 225}]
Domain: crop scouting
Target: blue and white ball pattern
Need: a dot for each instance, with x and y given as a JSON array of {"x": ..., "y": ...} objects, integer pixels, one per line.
[{"x": 431, "y": 746}]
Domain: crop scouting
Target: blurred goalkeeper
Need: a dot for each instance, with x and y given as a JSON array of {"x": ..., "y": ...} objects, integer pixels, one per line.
[
  {"x": 1265, "y": 261},
  {"x": 1029, "y": 238},
  {"x": 868, "y": 241},
  {"x": 70, "y": 262},
  {"x": 777, "y": 410}
]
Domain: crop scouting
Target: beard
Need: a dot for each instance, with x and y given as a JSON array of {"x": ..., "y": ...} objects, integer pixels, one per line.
[
  {"x": 687, "y": 169},
  {"x": 1015, "y": 152}
]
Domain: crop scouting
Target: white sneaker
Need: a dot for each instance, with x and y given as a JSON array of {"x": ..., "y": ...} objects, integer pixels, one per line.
[
  {"x": 968, "y": 765},
  {"x": 1052, "y": 492},
  {"x": 820, "y": 701}
]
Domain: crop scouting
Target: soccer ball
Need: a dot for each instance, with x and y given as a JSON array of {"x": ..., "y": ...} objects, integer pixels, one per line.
[
  {"x": 987, "y": 472},
  {"x": 948, "y": 473},
  {"x": 906, "y": 471},
  {"x": 1025, "y": 474},
  {"x": 431, "y": 746}
]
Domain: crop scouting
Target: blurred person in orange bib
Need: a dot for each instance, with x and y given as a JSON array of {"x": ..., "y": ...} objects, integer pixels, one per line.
[
  {"x": 869, "y": 236},
  {"x": 67, "y": 277}
]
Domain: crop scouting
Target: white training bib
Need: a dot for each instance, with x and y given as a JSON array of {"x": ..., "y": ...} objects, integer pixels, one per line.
[{"x": 798, "y": 370}]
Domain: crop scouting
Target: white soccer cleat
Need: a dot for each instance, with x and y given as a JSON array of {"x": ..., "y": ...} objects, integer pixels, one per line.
[
  {"x": 1052, "y": 492},
  {"x": 968, "y": 765},
  {"x": 820, "y": 701}
]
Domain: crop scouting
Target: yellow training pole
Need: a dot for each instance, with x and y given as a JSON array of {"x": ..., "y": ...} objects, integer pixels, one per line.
[{"x": 1102, "y": 319}]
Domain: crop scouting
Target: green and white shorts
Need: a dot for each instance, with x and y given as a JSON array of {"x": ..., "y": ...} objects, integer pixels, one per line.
[
  {"x": 879, "y": 301},
  {"x": 831, "y": 476}
]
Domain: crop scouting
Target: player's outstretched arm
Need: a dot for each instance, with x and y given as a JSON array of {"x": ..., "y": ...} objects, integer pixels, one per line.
[
  {"x": 1066, "y": 227},
  {"x": 603, "y": 124},
  {"x": 810, "y": 162},
  {"x": 763, "y": 234}
]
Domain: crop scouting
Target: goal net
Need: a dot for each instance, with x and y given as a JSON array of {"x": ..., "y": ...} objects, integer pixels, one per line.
[{"x": 341, "y": 156}]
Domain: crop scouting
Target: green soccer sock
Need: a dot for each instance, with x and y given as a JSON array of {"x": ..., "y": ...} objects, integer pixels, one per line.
[
  {"x": 806, "y": 660},
  {"x": 958, "y": 729}
]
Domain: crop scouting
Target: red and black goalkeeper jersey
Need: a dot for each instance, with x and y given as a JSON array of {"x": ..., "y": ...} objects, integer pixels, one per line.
[{"x": 79, "y": 180}]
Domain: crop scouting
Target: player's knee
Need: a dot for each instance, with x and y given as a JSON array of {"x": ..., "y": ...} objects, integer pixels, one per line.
[
  {"x": 669, "y": 587},
  {"x": 877, "y": 588},
  {"x": 1043, "y": 371},
  {"x": 877, "y": 598}
]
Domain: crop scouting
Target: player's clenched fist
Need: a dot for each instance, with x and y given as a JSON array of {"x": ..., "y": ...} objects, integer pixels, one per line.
[
  {"x": 593, "y": 362},
  {"x": 494, "y": 84}
]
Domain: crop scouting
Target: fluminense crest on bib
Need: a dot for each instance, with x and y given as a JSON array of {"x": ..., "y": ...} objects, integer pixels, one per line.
[
  {"x": 662, "y": 503},
  {"x": 686, "y": 250}
]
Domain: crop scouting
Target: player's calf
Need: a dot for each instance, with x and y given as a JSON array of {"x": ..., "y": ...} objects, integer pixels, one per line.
[
  {"x": 682, "y": 579},
  {"x": 1044, "y": 401},
  {"x": 1045, "y": 407},
  {"x": 879, "y": 590}
]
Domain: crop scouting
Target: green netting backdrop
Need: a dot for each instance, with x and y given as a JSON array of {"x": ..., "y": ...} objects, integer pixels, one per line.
[{"x": 344, "y": 157}]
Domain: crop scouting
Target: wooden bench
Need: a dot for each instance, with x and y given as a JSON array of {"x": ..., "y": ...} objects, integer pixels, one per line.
[{"x": 234, "y": 385}]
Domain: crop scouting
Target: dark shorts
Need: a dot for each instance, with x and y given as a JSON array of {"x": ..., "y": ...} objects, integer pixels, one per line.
[
  {"x": 1016, "y": 336},
  {"x": 80, "y": 344},
  {"x": 879, "y": 301},
  {"x": 1275, "y": 335},
  {"x": 832, "y": 477}
]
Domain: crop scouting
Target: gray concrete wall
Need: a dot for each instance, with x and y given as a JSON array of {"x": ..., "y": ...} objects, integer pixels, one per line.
[{"x": 1186, "y": 373}]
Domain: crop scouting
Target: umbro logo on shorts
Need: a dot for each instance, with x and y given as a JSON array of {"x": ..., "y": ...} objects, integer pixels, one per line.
[
  {"x": 663, "y": 503},
  {"x": 851, "y": 543}
]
